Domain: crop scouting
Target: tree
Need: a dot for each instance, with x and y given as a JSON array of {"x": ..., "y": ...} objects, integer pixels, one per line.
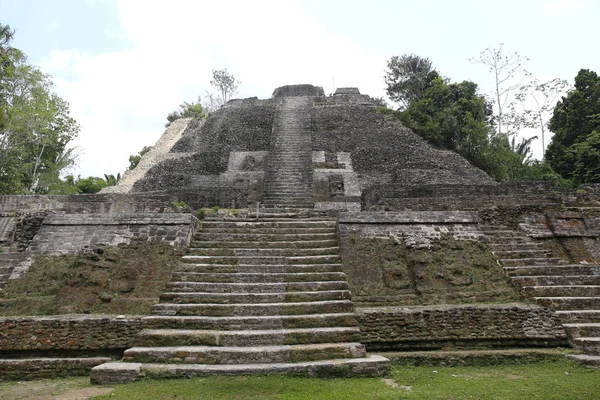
[
  {"x": 407, "y": 78},
  {"x": 573, "y": 150},
  {"x": 224, "y": 83},
  {"x": 90, "y": 185},
  {"x": 36, "y": 132},
  {"x": 112, "y": 180},
  {"x": 9, "y": 56},
  {"x": 450, "y": 116},
  {"x": 134, "y": 159},
  {"x": 509, "y": 73},
  {"x": 187, "y": 110},
  {"x": 523, "y": 149},
  {"x": 538, "y": 99}
]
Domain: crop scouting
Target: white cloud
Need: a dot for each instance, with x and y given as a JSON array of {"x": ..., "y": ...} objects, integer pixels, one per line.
[
  {"x": 121, "y": 98},
  {"x": 560, "y": 6}
]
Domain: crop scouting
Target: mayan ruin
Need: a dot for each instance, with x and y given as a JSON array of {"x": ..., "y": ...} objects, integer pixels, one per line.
[{"x": 302, "y": 233}]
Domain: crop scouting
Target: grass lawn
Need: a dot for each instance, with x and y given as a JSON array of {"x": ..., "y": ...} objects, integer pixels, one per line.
[{"x": 542, "y": 380}]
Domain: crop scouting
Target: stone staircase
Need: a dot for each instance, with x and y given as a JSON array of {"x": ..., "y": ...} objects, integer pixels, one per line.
[
  {"x": 573, "y": 290},
  {"x": 10, "y": 258},
  {"x": 289, "y": 177},
  {"x": 263, "y": 295}
]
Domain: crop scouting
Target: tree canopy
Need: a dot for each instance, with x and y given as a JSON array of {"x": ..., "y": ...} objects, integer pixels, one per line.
[
  {"x": 408, "y": 77},
  {"x": 574, "y": 151},
  {"x": 36, "y": 127},
  {"x": 456, "y": 117},
  {"x": 225, "y": 83}
]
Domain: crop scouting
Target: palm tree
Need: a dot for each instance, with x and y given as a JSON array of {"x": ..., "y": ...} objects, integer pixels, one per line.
[{"x": 523, "y": 149}]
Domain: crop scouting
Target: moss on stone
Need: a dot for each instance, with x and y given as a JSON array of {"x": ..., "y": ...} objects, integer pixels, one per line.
[
  {"x": 385, "y": 272},
  {"x": 126, "y": 279}
]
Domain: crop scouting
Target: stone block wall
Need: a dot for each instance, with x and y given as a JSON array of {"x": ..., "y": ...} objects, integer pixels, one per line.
[
  {"x": 69, "y": 233},
  {"x": 417, "y": 229},
  {"x": 68, "y": 332},
  {"x": 531, "y": 195},
  {"x": 434, "y": 327}
]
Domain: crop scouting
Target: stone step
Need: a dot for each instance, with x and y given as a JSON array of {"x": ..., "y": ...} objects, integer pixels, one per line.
[
  {"x": 520, "y": 262},
  {"x": 329, "y": 234},
  {"x": 124, "y": 372},
  {"x": 288, "y": 188},
  {"x": 264, "y": 322},
  {"x": 225, "y": 310},
  {"x": 212, "y": 287},
  {"x": 235, "y": 260},
  {"x": 564, "y": 269},
  {"x": 298, "y": 244},
  {"x": 562, "y": 291},
  {"x": 285, "y": 201},
  {"x": 472, "y": 357},
  {"x": 575, "y": 316},
  {"x": 585, "y": 359},
  {"x": 254, "y": 298},
  {"x": 300, "y": 224},
  {"x": 589, "y": 345},
  {"x": 20, "y": 369},
  {"x": 514, "y": 246},
  {"x": 518, "y": 254},
  {"x": 258, "y": 268},
  {"x": 554, "y": 280},
  {"x": 193, "y": 337},
  {"x": 258, "y": 277},
  {"x": 569, "y": 303},
  {"x": 247, "y": 252},
  {"x": 299, "y": 206},
  {"x": 214, "y": 355},
  {"x": 583, "y": 329},
  {"x": 296, "y": 206}
]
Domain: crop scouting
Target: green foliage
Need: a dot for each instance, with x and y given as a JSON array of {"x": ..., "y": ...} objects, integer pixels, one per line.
[
  {"x": 134, "y": 159},
  {"x": 180, "y": 204},
  {"x": 90, "y": 184},
  {"x": 35, "y": 126},
  {"x": 200, "y": 213},
  {"x": 187, "y": 110},
  {"x": 408, "y": 77},
  {"x": 574, "y": 149},
  {"x": 456, "y": 117}
]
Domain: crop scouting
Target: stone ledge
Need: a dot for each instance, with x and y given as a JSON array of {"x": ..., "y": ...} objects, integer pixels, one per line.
[
  {"x": 471, "y": 325},
  {"x": 40, "y": 368},
  {"x": 120, "y": 219},
  {"x": 472, "y": 357},
  {"x": 115, "y": 373},
  {"x": 409, "y": 217}
]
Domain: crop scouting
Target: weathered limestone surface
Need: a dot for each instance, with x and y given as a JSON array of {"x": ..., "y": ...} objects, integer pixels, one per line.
[
  {"x": 160, "y": 152},
  {"x": 517, "y": 325},
  {"x": 48, "y": 368},
  {"x": 68, "y": 233},
  {"x": 68, "y": 332}
]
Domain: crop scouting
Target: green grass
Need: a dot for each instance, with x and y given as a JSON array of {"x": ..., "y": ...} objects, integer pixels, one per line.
[
  {"x": 543, "y": 380},
  {"x": 546, "y": 380}
]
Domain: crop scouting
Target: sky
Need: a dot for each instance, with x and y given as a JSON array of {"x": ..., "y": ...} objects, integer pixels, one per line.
[{"x": 124, "y": 65}]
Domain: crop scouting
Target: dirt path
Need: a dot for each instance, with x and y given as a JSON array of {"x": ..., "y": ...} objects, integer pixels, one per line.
[{"x": 55, "y": 389}]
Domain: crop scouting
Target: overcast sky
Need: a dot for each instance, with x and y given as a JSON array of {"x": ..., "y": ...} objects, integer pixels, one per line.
[{"x": 124, "y": 65}]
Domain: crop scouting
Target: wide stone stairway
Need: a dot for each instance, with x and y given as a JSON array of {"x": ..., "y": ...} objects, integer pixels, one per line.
[
  {"x": 289, "y": 177},
  {"x": 262, "y": 295},
  {"x": 573, "y": 290}
]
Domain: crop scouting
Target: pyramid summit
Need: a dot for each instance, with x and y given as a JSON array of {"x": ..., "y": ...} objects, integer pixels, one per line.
[{"x": 299, "y": 148}]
